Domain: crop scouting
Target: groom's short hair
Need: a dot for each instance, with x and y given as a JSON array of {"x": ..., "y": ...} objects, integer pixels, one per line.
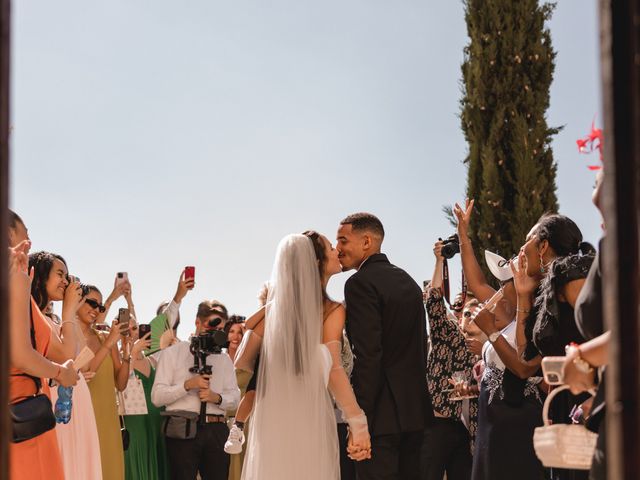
[{"x": 363, "y": 221}]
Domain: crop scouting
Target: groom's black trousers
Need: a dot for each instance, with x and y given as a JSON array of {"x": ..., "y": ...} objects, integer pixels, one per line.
[{"x": 393, "y": 457}]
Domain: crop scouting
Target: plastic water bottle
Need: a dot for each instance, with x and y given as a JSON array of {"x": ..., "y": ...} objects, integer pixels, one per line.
[{"x": 63, "y": 404}]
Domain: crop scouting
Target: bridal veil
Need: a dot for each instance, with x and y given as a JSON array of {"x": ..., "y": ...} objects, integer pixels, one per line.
[{"x": 293, "y": 428}]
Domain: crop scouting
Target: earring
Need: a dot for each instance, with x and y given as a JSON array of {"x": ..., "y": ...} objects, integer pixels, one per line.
[{"x": 541, "y": 264}]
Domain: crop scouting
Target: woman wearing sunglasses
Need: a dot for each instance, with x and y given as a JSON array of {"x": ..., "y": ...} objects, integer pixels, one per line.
[
  {"x": 109, "y": 373},
  {"x": 78, "y": 439}
]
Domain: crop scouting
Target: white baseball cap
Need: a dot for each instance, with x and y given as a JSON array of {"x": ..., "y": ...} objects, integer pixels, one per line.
[{"x": 499, "y": 266}]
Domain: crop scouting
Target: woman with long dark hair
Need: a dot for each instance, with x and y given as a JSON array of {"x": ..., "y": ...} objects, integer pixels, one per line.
[
  {"x": 78, "y": 439},
  {"x": 38, "y": 456},
  {"x": 551, "y": 269}
]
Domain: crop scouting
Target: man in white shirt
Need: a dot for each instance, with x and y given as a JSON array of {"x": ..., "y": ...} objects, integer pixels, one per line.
[{"x": 180, "y": 390}]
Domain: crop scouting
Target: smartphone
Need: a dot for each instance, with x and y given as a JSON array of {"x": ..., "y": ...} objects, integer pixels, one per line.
[
  {"x": 121, "y": 277},
  {"x": 124, "y": 318},
  {"x": 73, "y": 278},
  {"x": 189, "y": 273},
  {"x": 143, "y": 329},
  {"x": 553, "y": 370}
]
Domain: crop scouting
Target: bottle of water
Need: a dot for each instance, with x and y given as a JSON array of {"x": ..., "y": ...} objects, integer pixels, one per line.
[{"x": 63, "y": 404}]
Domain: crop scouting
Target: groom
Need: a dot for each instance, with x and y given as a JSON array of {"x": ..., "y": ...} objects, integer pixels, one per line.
[{"x": 386, "y": 326}]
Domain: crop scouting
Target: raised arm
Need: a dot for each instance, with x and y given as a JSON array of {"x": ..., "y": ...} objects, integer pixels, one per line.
[{"x": 66, "y": 346}]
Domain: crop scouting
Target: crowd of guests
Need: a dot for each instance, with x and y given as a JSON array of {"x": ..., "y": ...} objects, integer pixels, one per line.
[
  {"x": 484, "y": 364},
  {"x": 134, "y": 408}
]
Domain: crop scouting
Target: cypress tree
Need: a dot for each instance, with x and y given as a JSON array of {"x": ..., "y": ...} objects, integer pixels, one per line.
[{"x": 507, "y": 71}]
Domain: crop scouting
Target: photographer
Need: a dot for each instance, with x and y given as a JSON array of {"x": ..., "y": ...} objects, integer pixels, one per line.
[
  {"x": 196, "y": 444},
  {"x": 446, "y": 445}
]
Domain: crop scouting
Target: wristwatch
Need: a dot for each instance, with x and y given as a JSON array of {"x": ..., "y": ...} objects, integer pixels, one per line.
[{"x": 494, "y": 336}]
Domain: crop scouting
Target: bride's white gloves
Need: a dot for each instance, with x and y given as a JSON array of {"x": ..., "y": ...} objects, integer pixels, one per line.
[{"x": 359, "y": 439}]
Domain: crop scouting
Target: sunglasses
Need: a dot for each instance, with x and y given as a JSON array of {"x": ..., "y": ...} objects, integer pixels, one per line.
[{"x": 95, "y": 304}]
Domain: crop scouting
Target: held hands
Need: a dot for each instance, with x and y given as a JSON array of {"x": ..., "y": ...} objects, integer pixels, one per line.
[
  {"x": 358, "y": 446},
  {"x": 359, "y": 441}
]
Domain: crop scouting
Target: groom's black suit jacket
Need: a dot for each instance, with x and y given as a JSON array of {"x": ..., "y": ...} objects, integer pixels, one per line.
[{"x": 386, "y": 326}]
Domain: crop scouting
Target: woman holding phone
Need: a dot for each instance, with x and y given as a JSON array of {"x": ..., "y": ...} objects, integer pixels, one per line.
[
  {"x": 110, "y": 373},
  {"x": 146, "y": 457},
  {"x": 78, "y": 439}
]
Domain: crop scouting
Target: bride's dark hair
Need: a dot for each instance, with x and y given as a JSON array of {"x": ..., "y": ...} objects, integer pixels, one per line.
[{"x": 318, "y": 248}]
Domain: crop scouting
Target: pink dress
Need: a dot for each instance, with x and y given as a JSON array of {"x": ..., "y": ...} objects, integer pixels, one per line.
[{"x": 78, "y": 439}]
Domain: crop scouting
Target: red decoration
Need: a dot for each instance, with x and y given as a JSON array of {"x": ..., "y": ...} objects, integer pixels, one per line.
[{"x": 590, "y": 143}]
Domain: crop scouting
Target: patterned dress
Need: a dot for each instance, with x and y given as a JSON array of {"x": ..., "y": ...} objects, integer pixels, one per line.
[{"x": 448, "y": 354}]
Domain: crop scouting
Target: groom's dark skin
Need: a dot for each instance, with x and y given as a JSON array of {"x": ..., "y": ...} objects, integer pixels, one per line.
[{"x": 355, "y": 247}]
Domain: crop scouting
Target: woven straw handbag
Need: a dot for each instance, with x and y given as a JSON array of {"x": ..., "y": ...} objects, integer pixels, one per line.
[{"x": 562, "y": 445}]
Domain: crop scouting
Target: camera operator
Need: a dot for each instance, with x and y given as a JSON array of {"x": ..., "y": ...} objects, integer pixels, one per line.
[{"x": 182, "y": 392}]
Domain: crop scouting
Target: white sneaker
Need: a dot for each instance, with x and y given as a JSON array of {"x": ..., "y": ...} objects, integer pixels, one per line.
[{"x": 234, "y": 443}]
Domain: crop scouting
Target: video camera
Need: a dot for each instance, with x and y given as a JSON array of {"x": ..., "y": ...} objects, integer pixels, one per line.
[{"x": 209, "y": 342}]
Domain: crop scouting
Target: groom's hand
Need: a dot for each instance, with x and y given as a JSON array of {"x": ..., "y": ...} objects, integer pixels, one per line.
[{"x": 360, "y": 449}]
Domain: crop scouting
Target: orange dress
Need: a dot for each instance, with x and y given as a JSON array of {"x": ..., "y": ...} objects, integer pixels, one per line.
[{"x": 38, "y": 457}]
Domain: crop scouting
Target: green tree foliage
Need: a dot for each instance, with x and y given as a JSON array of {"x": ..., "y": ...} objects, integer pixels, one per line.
[{"x": 507, "y": 72}]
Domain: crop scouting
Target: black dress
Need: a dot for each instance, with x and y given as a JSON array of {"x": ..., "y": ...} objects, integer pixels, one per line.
[
  {"x": 509, "y": 409},
  {"x": 550, "y": 328}
]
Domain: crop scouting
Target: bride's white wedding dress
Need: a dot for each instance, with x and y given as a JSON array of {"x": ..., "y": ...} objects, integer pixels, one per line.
[{"x": 292, "y": 431}]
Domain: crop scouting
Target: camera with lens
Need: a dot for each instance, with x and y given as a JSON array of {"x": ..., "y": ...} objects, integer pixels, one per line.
[
  {"x": 450, "y": 246},
  {"x": 207, "y": 343}
]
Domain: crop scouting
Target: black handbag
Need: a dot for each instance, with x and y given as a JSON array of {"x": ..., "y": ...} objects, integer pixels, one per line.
[
  {"x": 125, "y": 434},
  {"x": 32, "y": 416}
]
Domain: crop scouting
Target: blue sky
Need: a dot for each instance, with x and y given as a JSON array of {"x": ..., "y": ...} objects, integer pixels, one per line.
[{"x": 151, "y": 135}]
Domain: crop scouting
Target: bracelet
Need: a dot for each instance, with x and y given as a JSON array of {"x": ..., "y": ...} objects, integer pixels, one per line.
[
  {"x": 67, "y": 321},
  {"x": 128, "y": 359},
  {"x": 464, "y": 243},
  {"x": 522, "y": 310}
]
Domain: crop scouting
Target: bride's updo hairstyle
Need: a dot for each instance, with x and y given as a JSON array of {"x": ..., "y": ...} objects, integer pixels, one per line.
[{"x": 318, "y": 248}]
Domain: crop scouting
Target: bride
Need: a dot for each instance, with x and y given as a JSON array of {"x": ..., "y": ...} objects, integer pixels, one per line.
[{"x": 299, "y": 336}]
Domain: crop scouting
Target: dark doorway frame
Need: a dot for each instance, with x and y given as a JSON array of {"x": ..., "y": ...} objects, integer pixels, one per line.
[{"x": 620, "y": 56}]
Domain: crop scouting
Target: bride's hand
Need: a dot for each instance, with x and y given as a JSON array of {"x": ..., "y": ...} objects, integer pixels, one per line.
[{"x": 359, "y": 445}]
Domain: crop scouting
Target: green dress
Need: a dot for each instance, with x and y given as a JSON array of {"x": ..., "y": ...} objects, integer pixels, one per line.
[{"x": 146, "y": 457}]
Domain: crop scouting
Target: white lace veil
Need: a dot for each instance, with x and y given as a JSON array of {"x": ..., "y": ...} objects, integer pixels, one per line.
[{"x": 293, "y": 427}]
